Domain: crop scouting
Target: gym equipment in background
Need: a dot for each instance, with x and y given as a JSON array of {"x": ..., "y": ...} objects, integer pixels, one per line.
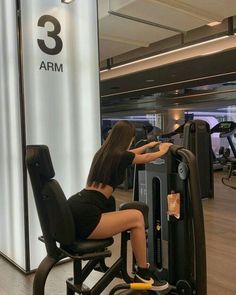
[
  {"x": 227, "y": 129},
  {"x": 230, "y": 179}
]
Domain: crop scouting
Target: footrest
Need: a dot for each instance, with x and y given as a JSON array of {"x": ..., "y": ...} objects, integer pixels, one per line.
[{"x": 80, "y": 289}]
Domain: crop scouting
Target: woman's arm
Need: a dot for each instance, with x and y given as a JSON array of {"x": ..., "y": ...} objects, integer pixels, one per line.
[
  {"x": 149, "y": 157},
  {"x": 142, "y": 149}
]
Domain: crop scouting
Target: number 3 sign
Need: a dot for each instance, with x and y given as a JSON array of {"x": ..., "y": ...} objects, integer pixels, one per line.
[{"x": 52, "y": 34}]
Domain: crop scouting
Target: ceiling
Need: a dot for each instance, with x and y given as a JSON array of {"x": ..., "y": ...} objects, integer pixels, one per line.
[
  {"x": 125, "y": 25},
  {"x": 133, "y": 29}
]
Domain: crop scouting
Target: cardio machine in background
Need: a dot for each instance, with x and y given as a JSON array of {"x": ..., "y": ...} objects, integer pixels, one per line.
[{"x": 227, "y": 129}]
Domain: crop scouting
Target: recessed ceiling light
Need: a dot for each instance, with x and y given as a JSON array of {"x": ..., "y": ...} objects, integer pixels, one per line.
[
  {"x": 149, "y": 80},
  {"x": 67, "y": 1},
  {"x": 212, "y": 24}
]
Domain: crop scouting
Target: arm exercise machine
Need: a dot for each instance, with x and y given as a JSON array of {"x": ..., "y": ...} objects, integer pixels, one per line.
[
  {"x": 176, "y": 246},
  {"x": 58, "y": 230},
  {"x": 197, "y": 139}
]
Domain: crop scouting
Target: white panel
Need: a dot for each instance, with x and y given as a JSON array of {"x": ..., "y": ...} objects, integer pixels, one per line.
[
  {"x": 11, "y": 189},
  {"x": 119, "y": 27},
  {"x": 219, "y": 8},
  {"x": 61, "y": 93},
  {"x": 158, "y": 13}
]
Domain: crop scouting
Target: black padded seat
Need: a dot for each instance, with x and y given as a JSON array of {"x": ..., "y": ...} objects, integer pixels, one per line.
[{"x": 81, "y": 247}]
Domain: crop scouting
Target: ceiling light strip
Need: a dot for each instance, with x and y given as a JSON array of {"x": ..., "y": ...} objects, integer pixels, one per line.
[
  {"x": 221, "y": 43},
  {"x": 167, "y": 84},
  {"x": 204, "y": 94}
]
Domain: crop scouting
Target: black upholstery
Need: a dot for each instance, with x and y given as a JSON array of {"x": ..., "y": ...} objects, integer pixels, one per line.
[
  {"x": 56, "y": 219},
  {"x": 61, "y": 224},
  {"x": 40, "y": 157},
  {"x": 58, "y": 229}
]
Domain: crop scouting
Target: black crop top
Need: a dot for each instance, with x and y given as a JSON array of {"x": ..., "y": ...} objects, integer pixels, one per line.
[{"x": 118, "y": 176}]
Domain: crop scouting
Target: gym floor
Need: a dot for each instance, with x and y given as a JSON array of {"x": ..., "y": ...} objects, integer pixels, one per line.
[{"x": 220, "y": 221}]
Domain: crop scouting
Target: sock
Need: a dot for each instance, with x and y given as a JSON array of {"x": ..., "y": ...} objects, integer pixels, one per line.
[{"x": 143, "y": 273}]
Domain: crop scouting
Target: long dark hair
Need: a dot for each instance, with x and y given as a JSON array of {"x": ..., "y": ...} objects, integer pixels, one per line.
[{"x": 107, "y": 158}]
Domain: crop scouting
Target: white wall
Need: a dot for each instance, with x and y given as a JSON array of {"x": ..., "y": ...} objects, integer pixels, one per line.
[
  {"x": 12, "y": 242},
  {"x": 62, "y": 106}
]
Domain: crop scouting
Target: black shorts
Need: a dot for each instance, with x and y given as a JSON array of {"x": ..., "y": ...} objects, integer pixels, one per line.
[{"x": 87, "y": 208}]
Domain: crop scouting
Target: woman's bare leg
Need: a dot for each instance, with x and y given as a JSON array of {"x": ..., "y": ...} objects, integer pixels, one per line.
[{"x": 113, "y": 223}]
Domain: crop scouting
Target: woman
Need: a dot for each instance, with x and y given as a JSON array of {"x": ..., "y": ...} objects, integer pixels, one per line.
[{"x": 94, "y": 207}]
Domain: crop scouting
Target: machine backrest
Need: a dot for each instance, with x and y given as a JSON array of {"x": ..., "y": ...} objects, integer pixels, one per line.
[
  {"x": 197, "y": 139},
  {"x": 55, "y": 217}
]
